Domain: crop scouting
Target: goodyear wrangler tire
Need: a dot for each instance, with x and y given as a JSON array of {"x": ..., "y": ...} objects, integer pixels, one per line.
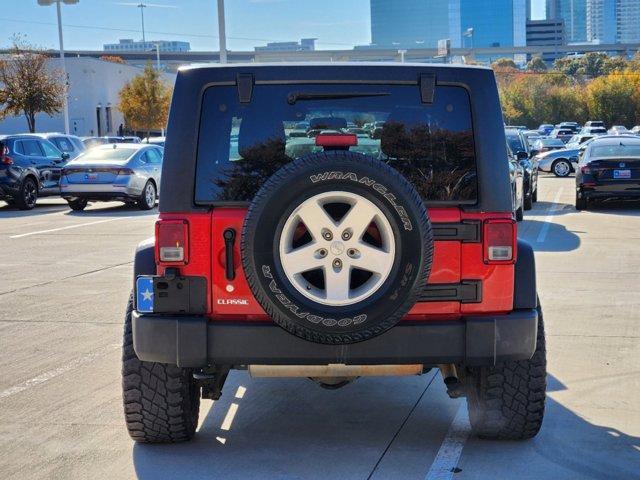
[{"x": 337, "y": 247}]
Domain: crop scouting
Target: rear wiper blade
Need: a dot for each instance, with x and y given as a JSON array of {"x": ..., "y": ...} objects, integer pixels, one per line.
[{"x": 293, "y": 97}]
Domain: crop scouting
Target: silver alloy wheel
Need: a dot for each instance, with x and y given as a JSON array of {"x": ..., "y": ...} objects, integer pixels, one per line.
[
  {"x": 561, "y": 168},
  {"x": 150, "y": 195},
  {"x": 342, "y": 261}
]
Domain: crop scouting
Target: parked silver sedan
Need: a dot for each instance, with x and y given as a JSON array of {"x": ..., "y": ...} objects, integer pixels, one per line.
[{"x": 120, "y": 171}]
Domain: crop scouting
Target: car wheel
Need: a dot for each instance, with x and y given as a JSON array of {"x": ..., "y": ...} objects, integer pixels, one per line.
[
  {"x": 561, "y": 168},
  {"x": 534, "y": 195},
  {"x": 78, "y": 204},
  {"x": 337, "y": 247},
  {"x": 28, "y": 195},
  {"x": 161, "y": 401},
  {"x": 148, "y": 197},
  {"x": 582, "y": 203},
  {"x": 528, "y": 202},
  {"x": 507, "y": 401}
]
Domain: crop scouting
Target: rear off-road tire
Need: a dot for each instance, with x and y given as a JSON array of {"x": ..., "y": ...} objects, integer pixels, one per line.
[
  {"x": 506, "y": 402},
  {"x": 161, "y": 401}
]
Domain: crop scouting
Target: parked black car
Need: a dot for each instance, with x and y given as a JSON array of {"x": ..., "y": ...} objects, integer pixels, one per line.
[
  {"x": 608, "y": 168},
  {"x": 29, "y": 168},
  {"x": 519, "y": 145},
  {"x": 516, "y": 176}
]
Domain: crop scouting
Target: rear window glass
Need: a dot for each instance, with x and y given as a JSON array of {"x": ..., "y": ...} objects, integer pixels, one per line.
[
  {"x": 616, "y": 151},
  {"x": 63, "y": 144},
  {"x": 241, "y": 145},
  {"x": 107, "y": 154}
]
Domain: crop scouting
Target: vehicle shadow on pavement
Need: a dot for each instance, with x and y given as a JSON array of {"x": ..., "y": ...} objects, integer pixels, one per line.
[
  {"x": 556, "y": 236},
  {"x": 567, "y": 447},
  {"x": 293, "y": 429},
  {"x": 112, "y": 211},
  {"x": 620, "y": 207},
  {"x": 544, "y": 209},
  {"x": 9, "y": 211}
]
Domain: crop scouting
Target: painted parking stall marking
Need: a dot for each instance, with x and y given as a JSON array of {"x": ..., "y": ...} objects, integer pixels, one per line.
[
  {"x": 547, "y": 220},
  {"x": 445, "y": 464}
]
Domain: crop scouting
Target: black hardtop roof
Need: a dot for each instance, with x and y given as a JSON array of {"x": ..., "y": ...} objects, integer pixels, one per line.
[{"x": 191, "y": 83}]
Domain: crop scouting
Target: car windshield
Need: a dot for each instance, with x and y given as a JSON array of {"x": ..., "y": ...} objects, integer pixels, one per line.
[
  {"x": 617, "y": 151},
  {"x": 108, "y": 154},
  {"x": 514, "y": 142},
  {"x": 241, "y": 145}
]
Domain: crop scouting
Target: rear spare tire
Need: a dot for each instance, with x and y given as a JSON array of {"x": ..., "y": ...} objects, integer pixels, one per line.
[{"x": 337, "y": 247}]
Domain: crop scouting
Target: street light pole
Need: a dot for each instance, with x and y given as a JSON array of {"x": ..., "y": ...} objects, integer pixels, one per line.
[
  {"x": 65, "y": 107},
  {"x": 65, "y": 99},
  {"x": 221, "y": 32},
  {"x": 142, "y": 6}
]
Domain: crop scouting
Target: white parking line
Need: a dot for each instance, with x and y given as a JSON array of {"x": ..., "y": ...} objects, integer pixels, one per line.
[
  {"x": 46, "y": 376},
  {"x": 68, "y": 227},
  {"x": 547, "y": 221},
  {"x": 228, "y": 419},
  {"x": 446, "y": 461}
]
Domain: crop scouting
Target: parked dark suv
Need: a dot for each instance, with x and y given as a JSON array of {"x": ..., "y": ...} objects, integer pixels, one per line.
[
  {"x": 332, "y": 261},
  {"x": 29, "y": 168}
]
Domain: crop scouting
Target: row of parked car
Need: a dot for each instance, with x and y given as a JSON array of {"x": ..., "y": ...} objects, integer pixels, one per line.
[
  {"x": 79, "y": 169},
  {"x": 606, "y": 163}
]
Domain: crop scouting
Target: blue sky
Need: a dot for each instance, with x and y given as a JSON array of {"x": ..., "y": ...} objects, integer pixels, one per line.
[{"x": 89, "y": 24}]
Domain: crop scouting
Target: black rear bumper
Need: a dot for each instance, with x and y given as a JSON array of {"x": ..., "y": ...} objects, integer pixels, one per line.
[{"x": 192, "y": 341}]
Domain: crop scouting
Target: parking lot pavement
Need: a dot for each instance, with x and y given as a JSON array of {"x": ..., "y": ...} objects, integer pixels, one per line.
[{"x": 64, "y": 281}]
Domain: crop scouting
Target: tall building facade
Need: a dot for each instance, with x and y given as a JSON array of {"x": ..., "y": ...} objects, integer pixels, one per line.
[
  {"x": 573, "y": 14},
  {"x": 628, "y": 21},
  {"x": 421, "y": 23},
  {"x": 408, "y": 23},
  {"x": 495, "y": 23},
  {"x": 613, "y": 21}
]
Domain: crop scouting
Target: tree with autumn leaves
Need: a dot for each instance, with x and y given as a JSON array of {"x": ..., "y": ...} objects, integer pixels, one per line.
[
  {"x": 28, "y": 86},
  {"x": 594, "y": 86},
  {"x": 144, "y": 101}
]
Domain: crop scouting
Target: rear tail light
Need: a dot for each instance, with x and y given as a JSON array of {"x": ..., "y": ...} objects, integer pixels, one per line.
[
  {"x": 585, "y": 170},
  {"x": 500, "y": 237},
  {"x": 336, "y": 140},
  {"x": 5, "y": 159},
  {"x": 172, "y": 241},
  {"x": 124, "y": 171}
]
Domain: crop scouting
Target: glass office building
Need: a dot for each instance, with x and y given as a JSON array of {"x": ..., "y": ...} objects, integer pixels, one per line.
[
  {"x": 573, "y": 14},
  {"x": 408, "y": 23},
  {"x": 421, "y": 23},
  {"x": 495, "y": 23}
]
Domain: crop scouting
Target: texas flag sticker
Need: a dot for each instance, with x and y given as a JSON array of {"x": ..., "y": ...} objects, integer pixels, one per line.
[{"x": 144, "y": 294}]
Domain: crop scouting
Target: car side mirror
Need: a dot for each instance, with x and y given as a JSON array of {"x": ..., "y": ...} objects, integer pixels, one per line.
[
  {"x": 522, "y": 155},
  {"x": 533, "y": 153},
  {"x": 65, "y": 156}
]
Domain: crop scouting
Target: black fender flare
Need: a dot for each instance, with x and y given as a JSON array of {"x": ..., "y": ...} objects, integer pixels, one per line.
[{"x": 524, "y": 288}]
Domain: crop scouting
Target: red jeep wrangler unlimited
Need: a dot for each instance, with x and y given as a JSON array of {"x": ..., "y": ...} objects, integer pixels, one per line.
[{"x": 333, "y": 221}]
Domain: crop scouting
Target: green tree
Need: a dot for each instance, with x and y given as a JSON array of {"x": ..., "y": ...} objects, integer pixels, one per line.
[
  {"x": 144, "y": 101},
  {"x": 615, "y": 64},
  {"x": 28, "y": 86},
  {"x": 536, "y": 64},
  {"x": 503, "y": 63},
  {"x": 567, "y": 65},
  {"x": 592, "y": 64}
]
